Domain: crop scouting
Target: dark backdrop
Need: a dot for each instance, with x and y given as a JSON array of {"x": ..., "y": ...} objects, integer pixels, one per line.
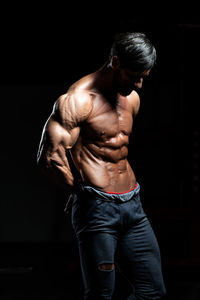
[{"x": 39, "y": 60}]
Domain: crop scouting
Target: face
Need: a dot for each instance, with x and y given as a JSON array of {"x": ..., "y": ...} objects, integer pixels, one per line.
[{"x": 127, "y": 80}]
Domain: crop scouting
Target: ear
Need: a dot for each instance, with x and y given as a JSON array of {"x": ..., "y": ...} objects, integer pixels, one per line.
[{"x": 115, "y": 63}]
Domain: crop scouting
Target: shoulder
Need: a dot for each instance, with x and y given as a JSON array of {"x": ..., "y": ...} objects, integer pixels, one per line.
[
  {"x": 73, "y": 107},
  {"x": 134, "y": 100}
]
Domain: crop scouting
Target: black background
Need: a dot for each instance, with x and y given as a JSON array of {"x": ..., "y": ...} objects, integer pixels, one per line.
[{"x": 43, "y": 51}]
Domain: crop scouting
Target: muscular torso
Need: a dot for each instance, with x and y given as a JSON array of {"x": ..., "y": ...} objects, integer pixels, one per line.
[
  {"x": 94, "y": 123},
  {"x": 100, "y": 153}
]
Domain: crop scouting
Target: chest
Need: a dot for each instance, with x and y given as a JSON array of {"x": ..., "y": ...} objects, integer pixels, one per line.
[{"x": 107, "y": 122}]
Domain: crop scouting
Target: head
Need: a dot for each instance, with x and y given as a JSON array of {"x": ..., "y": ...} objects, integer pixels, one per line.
[{"x": 132, "y": 56}]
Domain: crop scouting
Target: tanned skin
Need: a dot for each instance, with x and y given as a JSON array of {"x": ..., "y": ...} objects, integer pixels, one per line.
[{"x": 93, "y": 121}]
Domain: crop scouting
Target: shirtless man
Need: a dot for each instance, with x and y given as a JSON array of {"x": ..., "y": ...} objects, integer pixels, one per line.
[{"x": 93, "y": 122}]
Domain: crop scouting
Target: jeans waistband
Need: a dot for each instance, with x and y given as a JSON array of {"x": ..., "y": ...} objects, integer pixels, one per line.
[{"x": 123, "y": 197}]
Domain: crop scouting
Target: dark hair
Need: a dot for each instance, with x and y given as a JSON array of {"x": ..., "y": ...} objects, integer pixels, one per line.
[{"x": 134, "y": 50}]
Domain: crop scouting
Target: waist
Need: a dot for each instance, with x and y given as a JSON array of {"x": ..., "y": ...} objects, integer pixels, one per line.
[{"x": 122, "y": 196}]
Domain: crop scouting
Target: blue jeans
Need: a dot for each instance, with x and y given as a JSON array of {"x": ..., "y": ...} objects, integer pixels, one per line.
[{"x": 113, "y": 229}]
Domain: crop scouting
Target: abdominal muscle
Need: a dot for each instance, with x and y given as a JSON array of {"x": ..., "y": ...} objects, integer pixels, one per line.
[{"x": 104, "y": 167}]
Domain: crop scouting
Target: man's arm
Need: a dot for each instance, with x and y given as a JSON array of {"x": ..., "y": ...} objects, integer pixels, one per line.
[
  {"x": 59, "y": 135},
  {"x": 134, "y": 101}
]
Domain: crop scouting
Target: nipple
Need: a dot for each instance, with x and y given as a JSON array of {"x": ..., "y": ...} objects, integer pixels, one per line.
[{"x": 102, "y": 133}]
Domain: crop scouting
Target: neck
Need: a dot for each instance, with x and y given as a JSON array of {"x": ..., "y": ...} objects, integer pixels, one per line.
[{"x": 104, "y": 80}]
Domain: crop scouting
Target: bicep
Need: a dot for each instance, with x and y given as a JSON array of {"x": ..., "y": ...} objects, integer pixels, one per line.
[{"x": 62, "y": 129}]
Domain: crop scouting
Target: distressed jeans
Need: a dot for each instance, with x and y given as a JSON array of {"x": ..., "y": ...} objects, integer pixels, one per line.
[{"x": 113, "y": 231}]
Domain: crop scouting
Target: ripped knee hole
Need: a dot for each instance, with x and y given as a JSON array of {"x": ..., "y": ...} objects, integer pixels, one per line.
[{"x": 106, "y": 267}]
